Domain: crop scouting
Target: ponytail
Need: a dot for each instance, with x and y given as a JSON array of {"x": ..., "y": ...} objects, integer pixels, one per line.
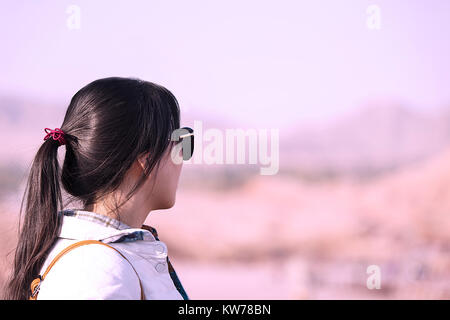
[{"x": 41, "y": 222}]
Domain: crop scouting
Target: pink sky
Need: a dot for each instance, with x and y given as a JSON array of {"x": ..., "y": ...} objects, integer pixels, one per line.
[{"x": 262, "y": 63}]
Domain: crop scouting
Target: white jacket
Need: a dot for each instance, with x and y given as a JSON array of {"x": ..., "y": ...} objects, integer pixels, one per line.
[{"x": 97, "y": 272}]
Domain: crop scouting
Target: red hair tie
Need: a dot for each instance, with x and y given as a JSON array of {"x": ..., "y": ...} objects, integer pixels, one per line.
[{"x": 56, "y": 134}]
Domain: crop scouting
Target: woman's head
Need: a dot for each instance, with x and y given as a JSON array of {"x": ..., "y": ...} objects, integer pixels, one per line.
[
  {"x": 118, "y": 140},
  {"x": 110, "y": 124}
]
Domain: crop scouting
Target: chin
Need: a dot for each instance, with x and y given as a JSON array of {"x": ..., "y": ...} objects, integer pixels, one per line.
[{"x": 166, "y": 204}]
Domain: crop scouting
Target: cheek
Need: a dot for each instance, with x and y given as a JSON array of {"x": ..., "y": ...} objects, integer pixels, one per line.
[
  {"x": 174, "y": 174},
  {"x": 167, "y": 183},
  {"x": 174, "y": 168}
]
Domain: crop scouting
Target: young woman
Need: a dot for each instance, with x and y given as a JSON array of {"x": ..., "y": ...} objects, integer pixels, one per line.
[{"x": 122, "y": 161}]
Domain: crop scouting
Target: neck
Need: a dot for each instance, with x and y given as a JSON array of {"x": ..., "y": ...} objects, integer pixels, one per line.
[{"x": 132, "y": 213}]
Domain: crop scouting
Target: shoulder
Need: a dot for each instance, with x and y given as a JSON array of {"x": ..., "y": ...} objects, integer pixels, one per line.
[{"x": 91, "y": 271}]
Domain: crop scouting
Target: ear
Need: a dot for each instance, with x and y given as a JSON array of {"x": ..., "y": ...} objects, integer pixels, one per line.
[{"x": 142, "y": 160}]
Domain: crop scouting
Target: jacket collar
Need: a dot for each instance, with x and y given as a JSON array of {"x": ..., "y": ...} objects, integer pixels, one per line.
[{"x": 85, "y": 225}]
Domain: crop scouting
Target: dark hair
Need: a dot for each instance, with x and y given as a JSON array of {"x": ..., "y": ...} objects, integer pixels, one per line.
[{"x": 108, "y": 125}]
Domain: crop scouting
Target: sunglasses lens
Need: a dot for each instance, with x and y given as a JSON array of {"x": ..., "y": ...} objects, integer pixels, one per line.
[
  {"x": 192, "y": 146},
  {"x": 188, "y": 141}
]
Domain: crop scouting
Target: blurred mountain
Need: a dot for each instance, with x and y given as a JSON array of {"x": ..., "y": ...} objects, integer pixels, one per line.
[
  {"x": 371, "y": 139},
  {"x": 388, "y": 216}
]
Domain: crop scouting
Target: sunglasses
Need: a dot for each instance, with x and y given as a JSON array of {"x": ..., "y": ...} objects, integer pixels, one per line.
[{"x": 184, "y": 135}]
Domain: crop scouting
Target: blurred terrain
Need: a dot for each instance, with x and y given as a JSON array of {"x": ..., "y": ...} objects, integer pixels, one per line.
[{"x": 369, "y": 188}]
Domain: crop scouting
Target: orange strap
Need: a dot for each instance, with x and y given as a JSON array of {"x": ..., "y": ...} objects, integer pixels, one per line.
[{"x": 35, "y": 285}]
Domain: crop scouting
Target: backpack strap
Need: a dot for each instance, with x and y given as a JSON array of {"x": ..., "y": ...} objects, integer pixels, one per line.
[{"x": 35, "y": 285}]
